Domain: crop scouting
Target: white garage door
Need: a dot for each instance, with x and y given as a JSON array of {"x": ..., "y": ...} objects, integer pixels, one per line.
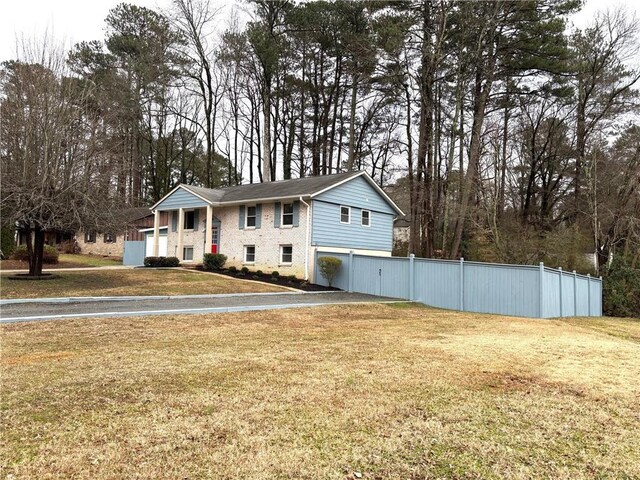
[{"x": 162, "y": 245}]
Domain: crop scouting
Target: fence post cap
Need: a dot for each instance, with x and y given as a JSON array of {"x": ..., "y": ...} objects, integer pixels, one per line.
[
  {"x": 412, "y": 256},
  {"x": 574, "y": 272},
  {"x": 588, "y": 275},
  {"x": 560, "y": 268},
  {"x": 462, "y": 259},
  {"x": 542, "y": 264}
]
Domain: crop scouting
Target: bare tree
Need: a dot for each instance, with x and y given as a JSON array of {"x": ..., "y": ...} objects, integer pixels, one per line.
[{"x": 54, "y": 174}]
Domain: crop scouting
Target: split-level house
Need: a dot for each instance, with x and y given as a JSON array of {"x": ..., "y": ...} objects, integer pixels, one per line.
[{"x": 275, "y": 225}]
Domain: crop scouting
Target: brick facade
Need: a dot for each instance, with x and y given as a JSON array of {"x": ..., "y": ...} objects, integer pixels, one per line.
[
  {"x": 99, "y": 247},
  {"x": 267, "y": 239}
]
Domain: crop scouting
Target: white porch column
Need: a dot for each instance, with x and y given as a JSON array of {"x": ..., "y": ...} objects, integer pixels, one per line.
[
  {"x": 180, "y": 233},
  {"x": 209, "y": 230},
  {"x": 156, "y": 233}
]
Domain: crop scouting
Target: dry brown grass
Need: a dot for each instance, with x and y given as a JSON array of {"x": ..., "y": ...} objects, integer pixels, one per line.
[
  {"x": 104, "y": 283},
  {"x": 385, "y": 391}
]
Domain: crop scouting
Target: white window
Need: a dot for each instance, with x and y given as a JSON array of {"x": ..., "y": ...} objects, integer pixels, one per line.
[
  {"x": 109, "y": 238},
  {"x": 251, "y": 217},
  {"x": 187, "y": 254},
  {"x": 249, "y": 254},
  {"x": 90, "y": 237},
  {"x": 189, "y": 219},
  {"x": 366, "y": 218},
  {"x": 287, "y": 214},
  {"x": 345, "y": 214},
  {"x": 286, "y": 254}
]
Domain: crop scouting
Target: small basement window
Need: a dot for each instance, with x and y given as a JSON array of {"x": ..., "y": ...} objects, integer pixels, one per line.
[
  {"x": 187, "y": 254},
  {"x": 249, "y": 254},
  {"x": 287, "y": 214},
  {"x": 90, "y": 237},
  {"x": 345, "y": 214},
  {"x": 251, "y": 216},
  {"x": 366, "y": 218},
  {"x": 189, "y": 219},
  {"x": 286, "y": 254}
]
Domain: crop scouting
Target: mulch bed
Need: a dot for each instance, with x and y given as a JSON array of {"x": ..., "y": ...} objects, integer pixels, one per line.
[
  {"x": 283, "y": 281},
  {"x": 27, "y": 277}
]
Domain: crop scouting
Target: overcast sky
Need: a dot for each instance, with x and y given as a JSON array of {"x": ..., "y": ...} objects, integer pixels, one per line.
[{"x": 72, "y": 21}]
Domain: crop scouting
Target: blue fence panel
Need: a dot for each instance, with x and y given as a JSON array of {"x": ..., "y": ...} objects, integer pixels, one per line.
[
  {"x": 134, "y": 252},
  {"x": 504, "y": 289},
  {"x": 520, "y": 290},
  {"x": 551, "y": 293},
  {"x": 596, "y": 297},
  {"x": 582, "y": 293},
  {"x": 568, "y": 296},
  {"x": 394, "y": 277},
  {"x": 437, "y": 283}
]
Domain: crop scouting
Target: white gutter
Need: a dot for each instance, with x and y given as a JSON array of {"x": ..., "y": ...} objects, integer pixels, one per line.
[{"x": 307, "y": 240}]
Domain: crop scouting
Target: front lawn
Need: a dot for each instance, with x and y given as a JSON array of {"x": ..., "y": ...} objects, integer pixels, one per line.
[
  {"x": 65, "y": 260},
  {"x": 103, "y": 283},
  {"x": 338, "y": 392}
]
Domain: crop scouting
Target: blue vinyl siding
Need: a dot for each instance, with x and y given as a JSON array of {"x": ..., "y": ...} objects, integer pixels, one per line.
[
  {"x": 359, "y": 193},
  {"x": 327, "y": 230},
  {"x": 181, "y": 199}
]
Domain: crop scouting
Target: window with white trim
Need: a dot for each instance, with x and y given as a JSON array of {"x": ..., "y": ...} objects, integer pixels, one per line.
[
  {"x": 287, "y": 214},
  {"x": 109, "y": 238},
  {"x": 286, "y": 254},
  {"x": 249, "y": 254},
  {"x": 187, "y": 254},
  {"x": 345, "y": 214},
  {"x": 250, "y": 220},
  {"x": 189, "y": 219},
  {"x": 90, "y": 237},
  {"x": 366, "y": 218}
]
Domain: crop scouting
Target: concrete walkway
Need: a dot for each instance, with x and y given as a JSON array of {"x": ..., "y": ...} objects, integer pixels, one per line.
[{"x": 56, "y": 309}]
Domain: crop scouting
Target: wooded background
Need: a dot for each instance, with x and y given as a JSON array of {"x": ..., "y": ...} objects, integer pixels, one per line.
[{"x": 505, "y": 134}]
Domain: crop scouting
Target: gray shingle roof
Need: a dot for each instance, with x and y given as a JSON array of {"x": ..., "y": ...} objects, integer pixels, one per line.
[
  {"x": 282, "y": 189},
  {"x": 299, "y": 187}
]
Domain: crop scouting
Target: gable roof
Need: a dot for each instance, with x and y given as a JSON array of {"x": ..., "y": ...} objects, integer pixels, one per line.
[{"x": 282, "y": 189}]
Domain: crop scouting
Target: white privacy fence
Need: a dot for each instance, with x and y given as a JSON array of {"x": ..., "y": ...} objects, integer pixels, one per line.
[{"x": 520, "y": 290}]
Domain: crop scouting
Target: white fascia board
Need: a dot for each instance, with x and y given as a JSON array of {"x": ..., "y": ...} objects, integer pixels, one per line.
[
  {"x": 184, "y": 187},
  {"x": 362, "y": 172},
  {"x": 150, "y": 229},
  {"x": 371, "y": 182}
]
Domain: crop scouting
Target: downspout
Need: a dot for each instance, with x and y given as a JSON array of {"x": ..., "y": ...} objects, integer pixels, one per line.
[{"x": 307, "y": 240}]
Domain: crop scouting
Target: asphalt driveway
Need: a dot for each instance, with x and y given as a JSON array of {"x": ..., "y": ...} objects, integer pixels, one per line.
[{"x": 56, "y": 309}]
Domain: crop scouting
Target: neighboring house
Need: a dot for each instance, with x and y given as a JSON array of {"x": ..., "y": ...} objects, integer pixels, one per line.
[
  {"x": 129, "y": 222},
  {"x": 275, "y": 225},
  {"x": 51, "y": 237},
  {"x": 401, "y": 229}
]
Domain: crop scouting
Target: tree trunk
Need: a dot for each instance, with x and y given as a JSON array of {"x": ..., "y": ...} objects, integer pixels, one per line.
[
  {"x": 266, "y": 141},
  {"x": 352, "y": 123},
  {"x": 481, "y": 95},
  {"x": 35, "y": 250}
]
